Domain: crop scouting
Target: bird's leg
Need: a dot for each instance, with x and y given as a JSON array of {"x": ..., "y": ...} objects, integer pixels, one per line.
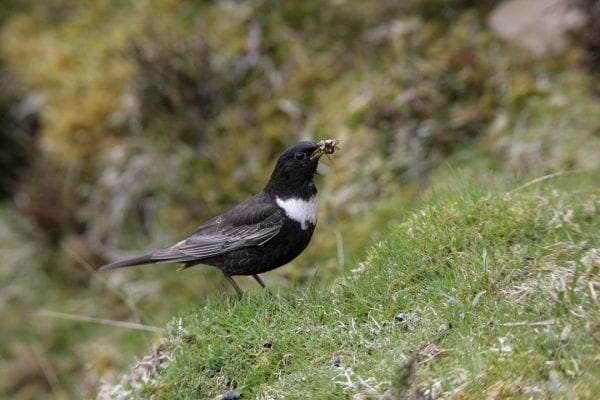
[
  {"x": 261, "y": 283},
  {"x": 235, "y": 285},
  {"x": 259, "y": 280}
]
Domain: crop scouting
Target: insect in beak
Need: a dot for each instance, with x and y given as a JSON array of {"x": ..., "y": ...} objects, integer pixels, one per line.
[{"x": 327, "y": 146}]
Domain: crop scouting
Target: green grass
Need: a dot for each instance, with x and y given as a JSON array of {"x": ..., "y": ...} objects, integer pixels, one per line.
[{"x": 477, "y": 294}]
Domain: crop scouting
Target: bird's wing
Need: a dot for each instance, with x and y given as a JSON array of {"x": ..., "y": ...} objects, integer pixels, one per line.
[{"x": 248, "y": 224}]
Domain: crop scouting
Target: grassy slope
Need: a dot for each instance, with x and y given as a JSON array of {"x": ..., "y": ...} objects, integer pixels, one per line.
[
  {"x": 541, "y": 119},
  {"x": 475, "y": 295}
]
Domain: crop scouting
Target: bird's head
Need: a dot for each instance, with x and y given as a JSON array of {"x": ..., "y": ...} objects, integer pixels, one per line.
[{"x": 297, "y": 164}]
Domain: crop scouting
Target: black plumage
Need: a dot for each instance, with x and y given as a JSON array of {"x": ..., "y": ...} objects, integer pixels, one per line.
[{"x": 262, "y": 233}]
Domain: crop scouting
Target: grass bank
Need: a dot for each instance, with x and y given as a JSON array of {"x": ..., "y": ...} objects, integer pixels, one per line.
[{"x": 477, "y": 294}]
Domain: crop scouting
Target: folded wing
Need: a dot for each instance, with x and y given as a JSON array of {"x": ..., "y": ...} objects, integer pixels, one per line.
[{"x": 248, "y": 224}]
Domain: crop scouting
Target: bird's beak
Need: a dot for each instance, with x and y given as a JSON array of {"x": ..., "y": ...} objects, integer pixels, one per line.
[{"x": 327, "y": 146}]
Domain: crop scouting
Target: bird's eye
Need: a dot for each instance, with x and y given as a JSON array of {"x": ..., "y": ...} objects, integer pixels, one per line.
[{"x": 300, "y": 156}]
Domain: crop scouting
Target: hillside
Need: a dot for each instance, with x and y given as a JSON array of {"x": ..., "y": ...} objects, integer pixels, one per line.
[
  {"x": 126, "y": 124},
  {"x": 476, "y": 294}
]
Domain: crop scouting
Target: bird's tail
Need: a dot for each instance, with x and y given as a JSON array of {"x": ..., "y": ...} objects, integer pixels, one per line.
[{"x": 130, "y": 262}]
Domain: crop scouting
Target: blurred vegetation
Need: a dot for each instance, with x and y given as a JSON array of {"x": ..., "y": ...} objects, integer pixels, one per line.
[
  {"x": 126, "y": 124},
  {"x": 18, "y": 133}
]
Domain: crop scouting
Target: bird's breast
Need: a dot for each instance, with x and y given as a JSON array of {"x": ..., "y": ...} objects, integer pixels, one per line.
[{"x": 300, "y": 210}]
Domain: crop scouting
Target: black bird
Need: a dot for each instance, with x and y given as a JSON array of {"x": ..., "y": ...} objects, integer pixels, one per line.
[{"x": 264, "y": 232}]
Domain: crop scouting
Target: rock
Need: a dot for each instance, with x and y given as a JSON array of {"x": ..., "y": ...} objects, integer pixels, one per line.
[
  {"x": 232, "y": 395},
  {"x": 538, "y": 25}
]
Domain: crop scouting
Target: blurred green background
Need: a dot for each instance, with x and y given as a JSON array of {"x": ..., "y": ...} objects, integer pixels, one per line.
[{"x": 126, "y": 124}]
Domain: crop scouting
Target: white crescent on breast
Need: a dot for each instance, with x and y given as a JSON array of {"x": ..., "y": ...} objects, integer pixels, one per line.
[{"x": 300, "y": 210}]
